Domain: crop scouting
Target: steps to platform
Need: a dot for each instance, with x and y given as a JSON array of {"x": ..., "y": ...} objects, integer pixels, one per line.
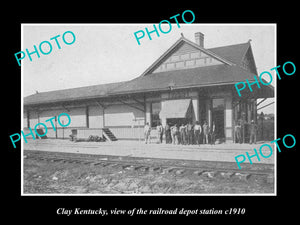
[{"x": 108, "y": 135}]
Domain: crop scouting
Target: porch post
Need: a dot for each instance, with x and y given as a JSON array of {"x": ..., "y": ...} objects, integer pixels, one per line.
[{"x": 228, "y": 119}]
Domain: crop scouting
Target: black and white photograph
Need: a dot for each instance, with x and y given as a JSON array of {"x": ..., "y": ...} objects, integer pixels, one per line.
[
  {"x": 149, "y": 109},
  {"x": 148, "y": 112}
]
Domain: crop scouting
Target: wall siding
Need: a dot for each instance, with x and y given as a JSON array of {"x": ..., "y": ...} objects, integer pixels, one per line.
[
  {"x": 95, "y": 117},
  {"x": 122, "y": 115},
  {"x": 25, "y": 120},
  {"x": 47, "y": 114},
  {"x": 186, "y": 56},
  {"x": 66, "y": 132},
  {"x": 77, "y": 115},
  {"x": 128, "y": 132}
]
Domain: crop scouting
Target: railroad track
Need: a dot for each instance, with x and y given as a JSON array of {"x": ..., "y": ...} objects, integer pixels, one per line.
[{"x": 162, "y": 166}]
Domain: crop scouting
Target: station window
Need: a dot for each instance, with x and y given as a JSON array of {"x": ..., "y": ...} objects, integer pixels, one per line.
[
  {"x": 218, "y": 103},
  {"x": 155, "y": 110}
]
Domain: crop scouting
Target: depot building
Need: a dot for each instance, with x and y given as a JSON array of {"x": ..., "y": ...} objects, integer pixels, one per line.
[{"x": 187, "y": 83}]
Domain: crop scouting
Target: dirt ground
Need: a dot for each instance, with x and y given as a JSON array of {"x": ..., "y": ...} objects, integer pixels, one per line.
[{"x": 44, "y": 177}]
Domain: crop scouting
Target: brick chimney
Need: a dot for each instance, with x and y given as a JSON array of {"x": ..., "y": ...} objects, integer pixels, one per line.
[{"x": 199, "y": 39}]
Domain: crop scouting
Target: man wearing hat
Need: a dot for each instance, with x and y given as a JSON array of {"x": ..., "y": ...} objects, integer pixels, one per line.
[
  {"x": 253, "y": 128},
  {"x": 147, "y": 131}
]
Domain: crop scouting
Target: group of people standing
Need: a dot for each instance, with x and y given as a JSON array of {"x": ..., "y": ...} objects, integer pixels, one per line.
[
  {"x": 185, "y": 134},
  {"x": 239, "y": 130},
  {"x": 190, "y": 134}
]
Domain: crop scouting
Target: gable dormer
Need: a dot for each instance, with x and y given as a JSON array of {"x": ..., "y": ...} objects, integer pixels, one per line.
[
  {"x": 185, "y": 54},
  {"x": 248, "y": 62}
]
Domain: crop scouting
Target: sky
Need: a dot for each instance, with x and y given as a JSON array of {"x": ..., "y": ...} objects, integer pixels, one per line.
[{"x": 106, "y": 53}]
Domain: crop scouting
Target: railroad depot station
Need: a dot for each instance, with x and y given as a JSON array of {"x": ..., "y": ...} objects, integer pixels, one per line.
[{"x": 187, "y": 83}]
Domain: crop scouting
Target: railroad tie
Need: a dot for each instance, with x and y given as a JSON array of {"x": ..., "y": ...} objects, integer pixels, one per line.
[
  {"x": 154, "y": 169},
  {"x": 112, "y": 165},
  {"x": 144, "y": 169},
  {"x": 126, "y": 166},
  {"x": 270, "y": 179},
  {"x": 130, "y": 167},
  {"x": 97, "y": 163},
  {"x": 137, "y": 167},
  {"x": 65, "y": 161},
  {"x": 56, "y": 160},
  {"x": 168, "y": 170},
  {"x": 179, "y": 172},
  {"x": 106, "y": 164},
  {"x": 226, "y": 174},
  {"x": 44, "y": 158},
  {"x": 198, "y": 172},
  {"x": 209, "y": 174},
  {"x": 242, "y": 176}
]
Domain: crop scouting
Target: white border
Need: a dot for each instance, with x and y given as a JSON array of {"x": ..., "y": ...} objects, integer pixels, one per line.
[
  {"x": 204, "y": 24},
  {"x": 22, "y": 117}
]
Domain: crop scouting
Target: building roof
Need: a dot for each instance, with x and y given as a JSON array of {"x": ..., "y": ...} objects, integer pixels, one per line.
[
  {"x": 178, "y": 43},
  {"x": 93, "y": 91},
  {"x": 185, "y": 78},
  {"x": 228, "y": 73},
  {"x": 233, "y": 53}
]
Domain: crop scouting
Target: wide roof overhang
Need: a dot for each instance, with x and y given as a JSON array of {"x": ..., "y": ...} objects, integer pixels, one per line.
[{"x": 210, "y": 77}]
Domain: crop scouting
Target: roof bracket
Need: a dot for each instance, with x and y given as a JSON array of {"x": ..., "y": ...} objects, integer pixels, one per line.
[
  {"x": 101, "y": 105},
  {"x": 132, "y": 106},
  {"x": 68, "y": 110},
  {"x": 265, "y": 105},
  {"x": 139, "y": 102},
  {"x": 261, "y": 101}
]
